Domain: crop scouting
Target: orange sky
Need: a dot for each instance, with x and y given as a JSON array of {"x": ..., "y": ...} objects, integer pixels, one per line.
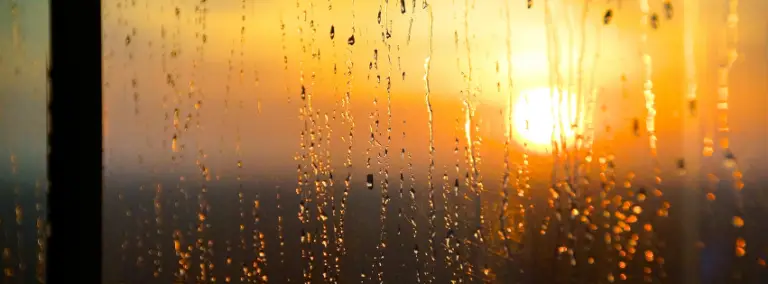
[{"x": 277, "y": 126}]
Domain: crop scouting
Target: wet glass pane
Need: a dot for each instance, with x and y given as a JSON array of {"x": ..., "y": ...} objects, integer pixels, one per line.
[
  {"x": 24, "y": 46},
  {"x": 434, "y": 141}
]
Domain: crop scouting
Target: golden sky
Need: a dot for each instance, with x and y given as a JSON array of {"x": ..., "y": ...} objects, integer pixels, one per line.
[{"x": 263, "y": 100}]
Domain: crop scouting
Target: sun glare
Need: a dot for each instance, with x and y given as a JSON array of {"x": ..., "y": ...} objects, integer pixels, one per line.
[{"x": 534, "y": 115}]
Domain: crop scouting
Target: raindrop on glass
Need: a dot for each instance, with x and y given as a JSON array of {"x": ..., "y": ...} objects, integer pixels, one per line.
[
  {"x": 669, "y": 10},
  {"x": 655, "y": 21},
  {"x": 369, "y": 181},
  {"x": 608, "y": 16}
]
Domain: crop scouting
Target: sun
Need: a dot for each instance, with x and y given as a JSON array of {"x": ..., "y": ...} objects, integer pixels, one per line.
[{"x": 534, "y": 117}]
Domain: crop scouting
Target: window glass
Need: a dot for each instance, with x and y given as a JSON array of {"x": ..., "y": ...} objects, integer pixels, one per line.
[
  {"x": 24, "y": 50},
  {"x": 404, "y": 141}
]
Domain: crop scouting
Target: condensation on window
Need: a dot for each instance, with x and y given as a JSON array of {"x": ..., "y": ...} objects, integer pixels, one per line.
[
  {"x": 24, "y": 50},
  {"x": 329, "y": 141}
]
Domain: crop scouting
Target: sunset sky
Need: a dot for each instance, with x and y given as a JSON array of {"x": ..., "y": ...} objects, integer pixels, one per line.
[
  {"x": 257, "y": 96},
  {"x": 266, "y": 86},
  {"x": 260, "y": 56}
]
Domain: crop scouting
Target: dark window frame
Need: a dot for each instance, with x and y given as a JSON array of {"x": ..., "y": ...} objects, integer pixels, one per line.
[{"x": 74, "y": 243}]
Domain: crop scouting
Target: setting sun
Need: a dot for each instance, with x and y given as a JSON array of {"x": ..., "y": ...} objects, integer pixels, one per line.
[{"x": 534, "y": 115}]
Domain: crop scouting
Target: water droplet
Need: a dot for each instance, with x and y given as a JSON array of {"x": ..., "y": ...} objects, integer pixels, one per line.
[
  {"x": 668, "y": 9},
  {"x": 456, "y": 186},
  {"x": 402, "y": 6},
  {"x": 636, "y": 126},
  {"x": 692, "y": 107},
  {"x": 655, "y": 21},
  {"x": 738, "y": 222},
  {"x": 351, "y": 40},
  {"x": 369, "y": 181},
  {"x": 741, "y": 245},
  {"x": 608, "y": 16},
  {"x": 333, "y": 32}
]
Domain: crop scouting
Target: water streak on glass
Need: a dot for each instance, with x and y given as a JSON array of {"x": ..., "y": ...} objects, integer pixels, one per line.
[{"x": 529, "y": 165}]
